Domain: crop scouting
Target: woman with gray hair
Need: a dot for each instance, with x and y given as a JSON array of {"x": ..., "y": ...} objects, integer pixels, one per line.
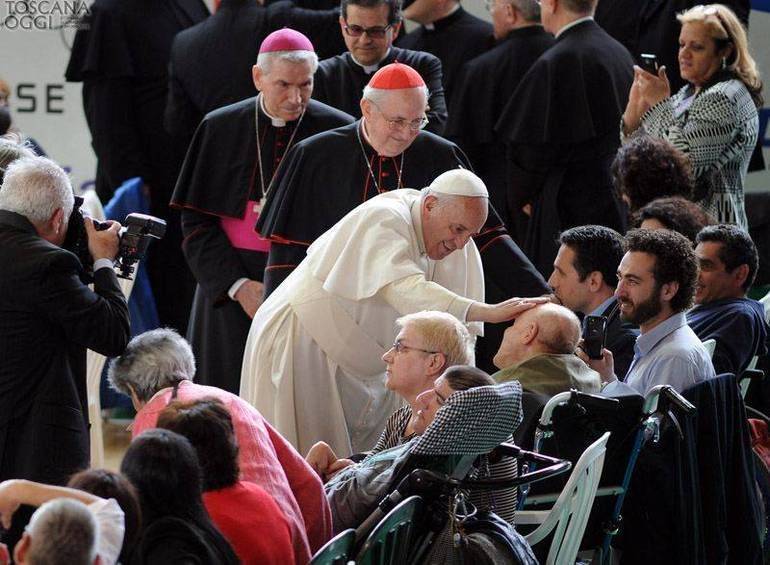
[{"x": 158, "y": 367}]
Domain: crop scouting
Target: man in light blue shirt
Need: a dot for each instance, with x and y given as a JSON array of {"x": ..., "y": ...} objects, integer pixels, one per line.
[{"x": 657, "y": 279}]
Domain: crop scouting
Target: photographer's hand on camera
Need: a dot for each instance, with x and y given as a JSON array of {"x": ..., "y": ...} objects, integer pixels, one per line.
[{"x": 103, "y": 244}]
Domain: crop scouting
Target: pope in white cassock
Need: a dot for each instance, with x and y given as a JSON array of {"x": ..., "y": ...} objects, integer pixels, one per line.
[{"x": 313, "y": 362}]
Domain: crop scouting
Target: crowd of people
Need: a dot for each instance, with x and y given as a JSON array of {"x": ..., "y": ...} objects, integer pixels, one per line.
[{"x": 368, "y": 232}]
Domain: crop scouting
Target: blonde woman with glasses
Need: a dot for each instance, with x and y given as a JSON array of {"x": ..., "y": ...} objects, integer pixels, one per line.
[{"x": 712, "y": 119}]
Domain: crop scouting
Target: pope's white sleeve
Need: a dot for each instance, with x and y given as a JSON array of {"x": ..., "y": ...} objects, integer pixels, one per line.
[{"x": 414, "y": 294}]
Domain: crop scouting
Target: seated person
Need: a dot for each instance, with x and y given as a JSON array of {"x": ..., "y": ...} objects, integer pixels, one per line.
[
  {"x": 647, "y": 168},
  {"x": 62, "y": 531},
  {"x": 470, "y": 420},
  {"x": 244, "y": 512},
  {"x": 107, "y": 515},
  {"x": 728, "y": 264},
  {"x": 676, "y": 213},
  {"x": 176, "y": 528},
  {"x": 454, "y": 379},
  {"x": 656, "y": 286},
  {"x": 159, "y": 364},
  {"x": 111, "y": 485},
  {"x": 538, "y": 350},
  {"x": 584, "y": 279}
]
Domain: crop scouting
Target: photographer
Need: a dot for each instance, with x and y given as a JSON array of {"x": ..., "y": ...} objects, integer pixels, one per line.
[{"x": 48, "y": 318}]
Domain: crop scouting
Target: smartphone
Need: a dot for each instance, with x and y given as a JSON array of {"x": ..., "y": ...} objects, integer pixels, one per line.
[
  {"x": 649, "y": 63},
  {"x": 594, "y": 335}
]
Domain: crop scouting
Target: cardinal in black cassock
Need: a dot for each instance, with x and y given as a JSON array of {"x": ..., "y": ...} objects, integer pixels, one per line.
[
  {"x": 340, "y": 80},
  {"x": 326, "y": 176},
  {"x": 486, "y": 86},
  {"x": 224, "y": 179},
  {"x": 562, "y": 127},
  {"x": 455, "y": 39},
  {"x": 120, "y": 54}
]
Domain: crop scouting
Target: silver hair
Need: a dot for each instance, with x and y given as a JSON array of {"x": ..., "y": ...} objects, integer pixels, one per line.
[
  {"x": 154, "y": 360},
  {"x": 12, "y": 147},
  {"x": 377, "y": 94},
  {"x": 36, "y": 187},
  {"x": 265, "y": 60},
  {"x": 62, "y": 531},
  {"x": 442, "y": 332},
  {"x": 529, "y": 10}
]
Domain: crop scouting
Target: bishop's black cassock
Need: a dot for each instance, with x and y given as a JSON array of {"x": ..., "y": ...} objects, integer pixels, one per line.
[
  {"x": 120, "y": 55},
  {"x": 211, "y": 62},
  {"x": 219, "y": 180},
  {"x": 340, "y": 82},
  {"x": 455, "y": 40},
  {"x": 326, "y": 176},
  {"x": 562, "y": 126},
  {"x": 487, "y": 83}
]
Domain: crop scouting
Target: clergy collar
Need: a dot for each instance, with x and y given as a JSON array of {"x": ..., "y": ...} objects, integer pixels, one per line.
[
  {"x": 369, "y": 69},
  {"x": 446, "y": 21},
  {"x": 276, "y": 122},
  {"x": 573, "y": 24},
  {"x": 416, "y": 211}
]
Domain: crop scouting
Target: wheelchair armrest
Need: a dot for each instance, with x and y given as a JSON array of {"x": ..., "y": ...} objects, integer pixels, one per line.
[{"x": 753, "y": 374}]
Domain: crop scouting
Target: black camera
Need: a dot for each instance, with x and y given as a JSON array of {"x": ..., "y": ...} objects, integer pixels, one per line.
[
  {"x": 135, "y": 236},
  {"x": 594, "y": 334}
]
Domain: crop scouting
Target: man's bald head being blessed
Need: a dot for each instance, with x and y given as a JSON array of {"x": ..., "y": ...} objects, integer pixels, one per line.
[
  {"x": 548, "y": 328},
  {"x": 393, "y": 107},
  {"x": 453, "y": 209}
]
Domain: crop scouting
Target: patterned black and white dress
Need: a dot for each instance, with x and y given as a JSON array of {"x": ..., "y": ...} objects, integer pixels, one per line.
[{"x": 717, "y": 128}]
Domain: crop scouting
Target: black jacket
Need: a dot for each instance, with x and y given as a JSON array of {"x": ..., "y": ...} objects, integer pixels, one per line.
[
  {"x": 621, "y": 337},
  {"x": 48, "y": 318}
]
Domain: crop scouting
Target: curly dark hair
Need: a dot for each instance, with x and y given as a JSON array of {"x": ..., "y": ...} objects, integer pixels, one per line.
[
  {"x": 597, "y": 248},
  {"x": 675, "y": 261},
  {"x": 647, "y": 168},
  {"x": 677, "y": 214},
  {"x": 394, "y": 8},
  {"x": 209, "y": 427},
  {"x": 737, "y": 248}
]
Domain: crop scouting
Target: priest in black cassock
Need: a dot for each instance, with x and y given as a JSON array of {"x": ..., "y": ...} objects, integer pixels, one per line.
[
  {"x": 369, "y": 28},
  {"x": 120, "y": 54},
  {"x": 562, "y": 127},
  {"x": 211, "y": 61},
  {"x": 450, "y": 33},
  {"x": 486, "y": 85},
  {"x": 227, "y": 174},
  {"x": 383, "y": 151}
]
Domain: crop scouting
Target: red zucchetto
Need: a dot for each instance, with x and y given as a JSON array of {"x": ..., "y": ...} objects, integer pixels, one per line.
[
  {"x": 396, "y": 76},
  {"x": 286, "y": 39}
]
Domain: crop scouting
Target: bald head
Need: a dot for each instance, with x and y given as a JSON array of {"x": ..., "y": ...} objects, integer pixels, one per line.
[{"x": 548, "y": 328}]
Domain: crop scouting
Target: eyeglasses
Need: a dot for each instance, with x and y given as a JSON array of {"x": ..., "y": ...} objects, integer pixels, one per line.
[
  {"x": 401, "y": 124},
  {"x": 376, "y": 32},
  {"x": 400, "y": 348}
]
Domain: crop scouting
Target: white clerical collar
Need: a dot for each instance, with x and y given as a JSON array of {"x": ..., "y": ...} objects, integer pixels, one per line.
[
  {"x": 573, "y": 24},
  {"x": 432, "y": 25},
  {"x": 277, "y": 122},
  {"x": 369, "y": 69},
  {"x": 416, "y": 211}
]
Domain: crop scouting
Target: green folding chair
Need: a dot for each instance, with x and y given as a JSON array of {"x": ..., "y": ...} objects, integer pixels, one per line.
[
  {"x": 389, "y": 541},
  {"x": 336, "y": 551}
]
